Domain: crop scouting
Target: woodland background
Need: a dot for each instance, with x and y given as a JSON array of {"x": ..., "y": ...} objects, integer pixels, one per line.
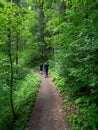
[{"x": 64, "y": 32}]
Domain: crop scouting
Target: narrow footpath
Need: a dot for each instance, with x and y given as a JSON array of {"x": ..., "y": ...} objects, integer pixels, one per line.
[{"x": 48, "y": 112}]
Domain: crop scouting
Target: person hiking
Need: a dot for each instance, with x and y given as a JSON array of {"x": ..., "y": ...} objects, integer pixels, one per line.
[
  {"x": 45, "y": 67},
  {"x": 41, "y": 68}
]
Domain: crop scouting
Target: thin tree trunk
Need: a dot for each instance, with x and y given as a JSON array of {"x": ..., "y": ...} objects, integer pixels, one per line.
[
  {"x": 11, "y": 67},
  {"x": 11, "y": 83},
  {"x": 17, "y": 48},
  {"x": 11, "y": 73},
  {"x": 42, "y": 28}
]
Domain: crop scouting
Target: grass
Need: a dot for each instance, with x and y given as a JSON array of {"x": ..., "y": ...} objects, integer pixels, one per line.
[{"x": 24, "y": 97}]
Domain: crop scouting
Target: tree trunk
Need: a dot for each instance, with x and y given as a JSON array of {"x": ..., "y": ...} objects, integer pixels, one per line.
[
  {"x": 17, "y": 49},
  {"x": 11, "y": 68},
  {"x": 11, "y": 73},
  {"x": 42, "y": 28},
  {"x": 42, "y": 22}
]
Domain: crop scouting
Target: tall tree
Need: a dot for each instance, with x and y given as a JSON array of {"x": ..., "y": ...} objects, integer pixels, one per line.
[{"x": 10, "y": 58}]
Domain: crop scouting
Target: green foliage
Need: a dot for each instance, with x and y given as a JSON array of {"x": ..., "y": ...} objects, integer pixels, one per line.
[
  {"x": 5, "y": 110},
  {"x": 85, "y": 116},
  {"x": 75, "y": 61},
  {"x": 31, "y": 58},
  {"x": 60, "y": 82},
  {"x": 24, "y": 97},
  {"x": 66, "y": 29}
]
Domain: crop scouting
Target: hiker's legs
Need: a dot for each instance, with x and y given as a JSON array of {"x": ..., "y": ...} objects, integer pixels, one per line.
[{"x": 45, "y": 73}]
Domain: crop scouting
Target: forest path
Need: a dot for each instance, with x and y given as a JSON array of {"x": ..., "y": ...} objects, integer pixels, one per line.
[{"x": 48, "y": 112}]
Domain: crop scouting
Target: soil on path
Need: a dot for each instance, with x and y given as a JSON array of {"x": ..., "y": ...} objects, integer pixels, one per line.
[{"x": 48, "y": 112}]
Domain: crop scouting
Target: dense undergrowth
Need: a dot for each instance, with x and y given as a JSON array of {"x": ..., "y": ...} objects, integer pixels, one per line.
[
  {"x": 75, "y": 61},
  {"x": 24, "y": 97},
  {"x": 65, "y": 31},
  {"x": 81, "y": 111}
]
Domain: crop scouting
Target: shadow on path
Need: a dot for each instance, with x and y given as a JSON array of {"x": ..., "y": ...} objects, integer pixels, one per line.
[{"x": 48, "y": 112}]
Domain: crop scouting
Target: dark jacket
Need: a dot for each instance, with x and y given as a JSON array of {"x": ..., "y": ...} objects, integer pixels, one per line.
[
  {"x": 41, "y": 67},
  {"x": 46, "y": 65}
]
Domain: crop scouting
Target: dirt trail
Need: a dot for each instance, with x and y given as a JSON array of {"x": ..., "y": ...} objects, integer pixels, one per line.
[{"x": 48, "y": 112}]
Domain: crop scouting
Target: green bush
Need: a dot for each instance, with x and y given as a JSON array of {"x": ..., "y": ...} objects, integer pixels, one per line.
[
  {"x": 82, "y": 111},
  {"x": 85, "y": 115},
  {"x": 24, "y": 96}
]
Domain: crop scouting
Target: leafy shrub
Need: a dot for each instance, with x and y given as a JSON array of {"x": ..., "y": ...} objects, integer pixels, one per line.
[
  {"x": 25, "y": 96},
  {"x": 85, "y": 116},
  {"x": 82, "y": 111}
]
